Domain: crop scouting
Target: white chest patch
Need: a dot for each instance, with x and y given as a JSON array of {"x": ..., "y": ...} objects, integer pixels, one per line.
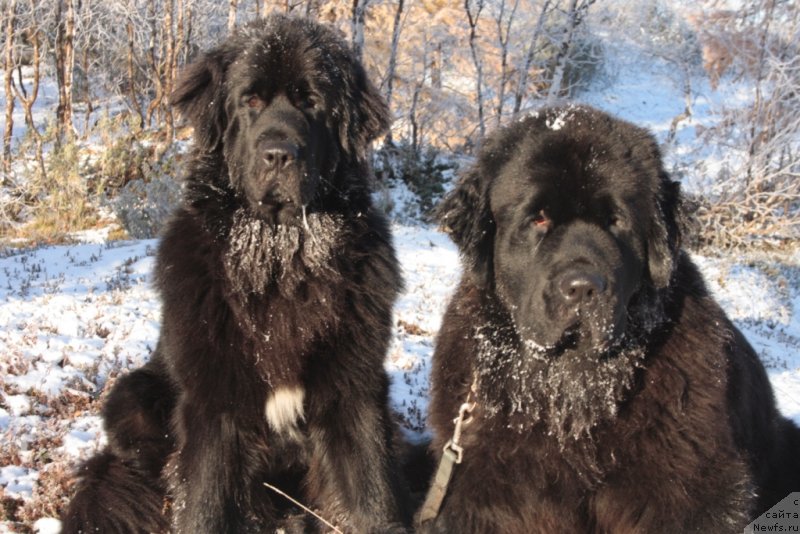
[{"x": 285, "y": 409}]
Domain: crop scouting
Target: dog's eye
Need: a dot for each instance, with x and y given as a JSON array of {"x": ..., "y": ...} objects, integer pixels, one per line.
[
  {"x": 615, "y": 221},
  {"x": 307, "y": 101},
  {"x": 253, "y": 101},
  {"x": 540, "y": 221}
]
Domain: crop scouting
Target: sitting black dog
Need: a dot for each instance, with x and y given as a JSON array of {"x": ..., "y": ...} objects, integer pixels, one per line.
[
  {"x": 611, "y": 393},
  {"x": 278, "y": 279}
]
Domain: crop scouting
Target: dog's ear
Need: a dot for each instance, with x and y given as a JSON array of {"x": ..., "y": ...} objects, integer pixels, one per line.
[
  {"x": 367, "y": 116},
  {"x": 199, "y": 96},
  {"x": 466, "y": 216},
  {"x": 664, "y": 239}
]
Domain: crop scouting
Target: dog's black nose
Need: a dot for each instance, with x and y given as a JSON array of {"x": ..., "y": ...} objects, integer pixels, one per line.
[
  {"x": 277, "y": 155},
  {"x": 581, "y": 287}
]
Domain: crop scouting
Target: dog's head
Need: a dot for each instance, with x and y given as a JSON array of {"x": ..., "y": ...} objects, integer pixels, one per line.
[
  {"x": 284, "y": 102},
  {"x": 569, "y": 218}
]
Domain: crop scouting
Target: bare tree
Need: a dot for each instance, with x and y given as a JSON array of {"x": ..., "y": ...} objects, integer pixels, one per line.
[
  {"x": 530, "y": 55},
  {"x": 758, "y": 193},
  {"x": 417, "y": 79},
  {"x": 163, "y": 49},
  {"x": 503, "y": 18},
  {"x": 34, "y": 35},
  {"x": 154, "y": 61},
  {"x": 93, "y": 33},
  {"x": 392, "y": 68},
  {"x": 131, "y": 62},
  {"x": 10, "y": 13},
  {"x": 357, "y": 24},
  {"x": 179, "y": 40},
  {"x": 185, "y": 31},
  {"x": 473, "y": 10},
  {"x": 575, "y": 15},
  {"x": 670, "y": 37},
  {"x": 168, "y": 69},
  {"x": 65, "y": 66},
  {"x": 761, "y": 109},
  {"x": 232, "y": 8}
]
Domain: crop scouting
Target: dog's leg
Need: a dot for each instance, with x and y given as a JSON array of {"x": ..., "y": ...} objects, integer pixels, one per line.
[
  {"x": 206, "y": 473},
  {"x": 213, "y": 473},
  {"x": 353, "y": 475}
]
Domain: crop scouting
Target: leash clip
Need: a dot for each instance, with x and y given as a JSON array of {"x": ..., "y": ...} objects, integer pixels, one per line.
[{"x": 456, "y": 449}]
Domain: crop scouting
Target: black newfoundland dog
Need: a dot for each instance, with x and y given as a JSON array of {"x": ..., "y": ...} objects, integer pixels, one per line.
[
  {"x": 278, "y": 278},
  {"x": 612, "y": 394}
]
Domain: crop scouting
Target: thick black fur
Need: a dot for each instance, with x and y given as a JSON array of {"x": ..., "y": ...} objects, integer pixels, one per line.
[
  {"x": 277, "y": 278},
  {"x": 120, "y": 489},
  {"x": 614, "y": 395}
]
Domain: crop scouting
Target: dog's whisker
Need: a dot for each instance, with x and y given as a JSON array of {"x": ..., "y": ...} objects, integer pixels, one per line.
[
  {"x": 536, "y": 248},
  {"x": 311, "y": 235}
]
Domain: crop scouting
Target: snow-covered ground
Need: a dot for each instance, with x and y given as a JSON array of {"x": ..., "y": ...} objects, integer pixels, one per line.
[{"x": 74, "y": 317}]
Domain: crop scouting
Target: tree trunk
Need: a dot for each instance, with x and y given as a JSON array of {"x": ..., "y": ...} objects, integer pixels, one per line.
[
  {"x": 232, "y": 5},
  {"x": 357, "y": 26},
  {"x": 8, "y": 67},
  {"x": 392, "y": 68},
  {"x": 34, "y": 35},
  {"x": 153, "y": 58},
  {"x": 85, "y": 65},
  {"x": 168, "y": 69},
  {"x": 436, "y": 66},
  {"x": 503, "y": 36},
  {"x": 574, "y": 19},
  {"x": 412, "y": 117},
  {"x": 133, "y": 93},
  {"x": 476, "y": 59},
  {"x": 188, "y": 34},
  {"x": 180, "y": 40},
  {"x": 522, "y": 86},
  {"x": 65, "y": 62},
  {"x": 756, "y": 118},
  {"x": 687, "y": 110}
]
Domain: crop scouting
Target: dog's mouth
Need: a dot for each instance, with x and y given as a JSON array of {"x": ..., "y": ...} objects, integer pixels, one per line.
[
  {"x": 581, "y": 337},
  {"x": 279, "y": 196},
  {"x": 276, "y": 211},
  {"x": 572, "y": 339}
]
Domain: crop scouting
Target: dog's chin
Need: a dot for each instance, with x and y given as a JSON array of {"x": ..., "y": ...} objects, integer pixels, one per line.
[{"x": 276, "y": 213}]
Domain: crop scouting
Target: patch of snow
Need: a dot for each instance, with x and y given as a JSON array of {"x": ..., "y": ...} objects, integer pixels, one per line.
[
  {"x": 47, "y": 525},
  {"x": 17, "y": 482}
]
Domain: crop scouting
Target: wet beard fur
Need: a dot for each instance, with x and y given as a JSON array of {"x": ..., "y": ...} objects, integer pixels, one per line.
[
  {"x": 570, "y": 394},
  {"x": 260, "y": 254}
]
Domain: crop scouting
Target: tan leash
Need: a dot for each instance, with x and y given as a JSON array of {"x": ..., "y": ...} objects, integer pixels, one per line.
[{"x": 452, "y": 454}]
